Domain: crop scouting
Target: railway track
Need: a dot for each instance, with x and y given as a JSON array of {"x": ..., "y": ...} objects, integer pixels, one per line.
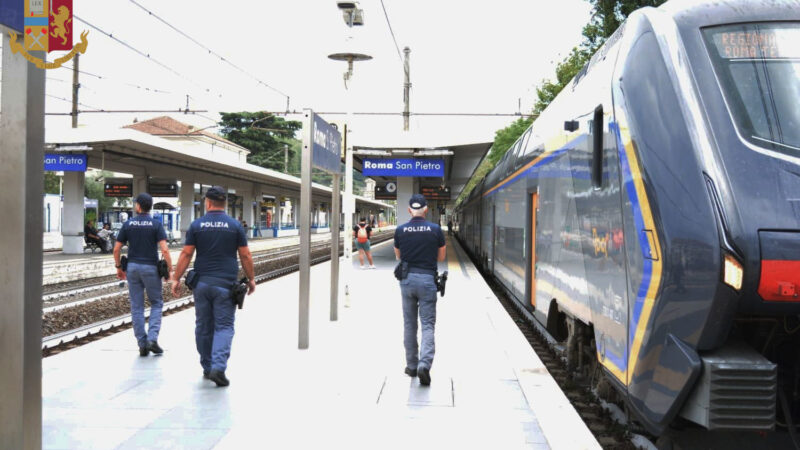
[
  {"x": 108, "y": 287},
  {"x": 65, "y": 340}
]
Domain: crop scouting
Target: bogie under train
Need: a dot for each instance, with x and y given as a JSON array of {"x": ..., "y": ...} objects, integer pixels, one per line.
[{"x": 651, "y": 215}]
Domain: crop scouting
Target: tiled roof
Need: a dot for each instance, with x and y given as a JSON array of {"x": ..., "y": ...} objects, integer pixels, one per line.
[{"x": 167, "y": 126}]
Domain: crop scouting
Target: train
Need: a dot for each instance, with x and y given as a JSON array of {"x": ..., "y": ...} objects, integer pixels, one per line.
[{"x": 649, "y": 218}]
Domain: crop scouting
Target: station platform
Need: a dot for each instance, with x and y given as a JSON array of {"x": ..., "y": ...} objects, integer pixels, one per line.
[
  {"x": 348, "y": 390},
  {"x": 59, "y": 267}
]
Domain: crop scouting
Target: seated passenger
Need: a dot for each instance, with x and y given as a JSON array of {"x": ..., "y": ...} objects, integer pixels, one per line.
[
  {"x": 90, "y": 236},
  {"x": 107, "y": 234}
]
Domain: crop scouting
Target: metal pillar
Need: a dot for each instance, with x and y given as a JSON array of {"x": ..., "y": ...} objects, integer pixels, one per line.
[
  {"x": 186, "y": 195},
  {"x": 21, "y": 159},
  {"x": 348, "y": 206},
  {"x": 305, "y": 229},
  {"x": 406, "y": 88},
  {"x": 248, "y": 215},
  {"x": 72, "y": 222},
  {"x": 335, "y": 216}
]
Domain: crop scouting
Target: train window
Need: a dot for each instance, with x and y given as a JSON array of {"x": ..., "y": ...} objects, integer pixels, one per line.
[
  {"x": 758, "y": 66},
  {"x": 597, "y": 148}
]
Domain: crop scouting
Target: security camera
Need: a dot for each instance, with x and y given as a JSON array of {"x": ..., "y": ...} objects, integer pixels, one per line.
[{"x": 351, "y": 13}]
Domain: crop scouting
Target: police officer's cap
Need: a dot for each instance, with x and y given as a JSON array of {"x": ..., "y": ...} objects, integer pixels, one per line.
[
  {"x": 145, "y": 201},
  {"x": 216, "y": 193},
  {"x": 417, "y": 201}
]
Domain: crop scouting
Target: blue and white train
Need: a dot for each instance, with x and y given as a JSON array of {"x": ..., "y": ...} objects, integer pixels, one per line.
[{"x": 650, "y": 216}]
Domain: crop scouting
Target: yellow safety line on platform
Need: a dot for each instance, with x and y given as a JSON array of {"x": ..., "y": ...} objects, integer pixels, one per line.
[{"x": 453, "y": 263}]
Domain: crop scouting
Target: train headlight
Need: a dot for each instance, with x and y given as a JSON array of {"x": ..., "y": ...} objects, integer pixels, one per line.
[{"x": 734, "y": 273}]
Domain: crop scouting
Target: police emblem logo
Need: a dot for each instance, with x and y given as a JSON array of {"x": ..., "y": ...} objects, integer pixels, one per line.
[{"x": 47, "y": 28}]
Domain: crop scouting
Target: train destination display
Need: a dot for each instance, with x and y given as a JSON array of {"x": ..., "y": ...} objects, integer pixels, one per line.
[
  {"x": 118, "y": 187},
  {"x": 162, "y": 188},
  {"x": 752, "y": 41},
  {"x": 435, "y": 192}
]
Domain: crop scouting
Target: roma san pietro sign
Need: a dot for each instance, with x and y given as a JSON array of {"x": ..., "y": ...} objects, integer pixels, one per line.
[{"x": 403, "y": 167}]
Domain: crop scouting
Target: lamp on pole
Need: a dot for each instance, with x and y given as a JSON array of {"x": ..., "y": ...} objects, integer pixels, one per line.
[{"x": 353, "y": 16}]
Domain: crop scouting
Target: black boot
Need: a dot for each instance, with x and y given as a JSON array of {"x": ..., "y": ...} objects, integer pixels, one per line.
[
  {"x": 424, "y": 376},
  {"x": 218, "y": 377},
  {"x": 153, "y": 347}
]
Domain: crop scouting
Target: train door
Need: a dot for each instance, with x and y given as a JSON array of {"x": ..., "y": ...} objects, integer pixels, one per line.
[{"x": 532, "y": 248}]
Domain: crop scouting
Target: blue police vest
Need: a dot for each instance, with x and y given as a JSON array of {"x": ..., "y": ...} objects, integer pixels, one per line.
[
  {"x": 142, "y": 234},
  {"x": 419, "y": 241},
  {"x": 217, "y": 238}
]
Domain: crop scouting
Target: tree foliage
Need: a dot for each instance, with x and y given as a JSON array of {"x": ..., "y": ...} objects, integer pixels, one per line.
[
  {"x": 263, "y": 134},
  {"x": 503, "y": 140},
  {"x": 52, "y": 183},
  {"x": 607, "y": 16},
  {"x": 94, "y": 188}
]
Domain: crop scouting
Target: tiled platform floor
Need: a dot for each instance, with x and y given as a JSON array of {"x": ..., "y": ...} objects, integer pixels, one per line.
[{"x": 348, "y": 390}]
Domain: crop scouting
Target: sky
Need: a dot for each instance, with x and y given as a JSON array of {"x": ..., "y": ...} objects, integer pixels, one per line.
[{"x": 465, "y": 56}]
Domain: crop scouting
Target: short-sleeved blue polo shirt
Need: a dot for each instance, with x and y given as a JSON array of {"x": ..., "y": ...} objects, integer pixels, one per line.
[
  {"x": 419, "y": 242},
  {"x": 142, "y": 234},
  {"x": 217, "y": 237}
]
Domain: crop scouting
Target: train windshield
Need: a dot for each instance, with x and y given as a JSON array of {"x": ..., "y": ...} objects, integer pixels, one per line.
[{"x": 758, "y": 65}]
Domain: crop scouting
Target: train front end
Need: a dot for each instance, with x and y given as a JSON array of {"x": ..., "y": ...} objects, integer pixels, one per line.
[{"x": 745, "y": 67}]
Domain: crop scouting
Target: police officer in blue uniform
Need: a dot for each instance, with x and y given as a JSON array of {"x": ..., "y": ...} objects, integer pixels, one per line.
[
  {"x": 142, "y": 234},
  {"x": 218, "y": 238},
  {"x": 420, "y": 244}
]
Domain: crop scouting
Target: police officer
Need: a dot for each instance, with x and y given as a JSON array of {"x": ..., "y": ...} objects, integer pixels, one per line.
[
  {"x": 217, "y": 238},
  {"x": 142, "y": 233},
  {"x": 420, "y": 244}
]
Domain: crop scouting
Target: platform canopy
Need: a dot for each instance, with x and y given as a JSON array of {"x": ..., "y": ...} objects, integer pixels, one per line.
[
  {"x": 461, "y": 158},
  {"x": 137, "y": 153}
]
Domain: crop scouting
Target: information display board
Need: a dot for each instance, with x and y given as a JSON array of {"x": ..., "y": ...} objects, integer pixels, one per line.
[
  {"x": 435, "y": 192},
  {"x": 160, "y": 188},
  {"x": 118, "y": 187}
]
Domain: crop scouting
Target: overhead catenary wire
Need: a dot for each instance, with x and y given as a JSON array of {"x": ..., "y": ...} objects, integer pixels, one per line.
[
  {"x": 143, "y": 54},
  {"x": 211, "y": 52},
  {"x": 106, "y": 78},
  {"x": 389, "y": 23},
  {"x": 70, "y": 101},
  {"x": 376, "y": 113}
]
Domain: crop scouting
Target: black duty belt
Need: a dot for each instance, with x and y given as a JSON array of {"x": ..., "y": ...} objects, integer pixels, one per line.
[{"x": 422, "y": 271}]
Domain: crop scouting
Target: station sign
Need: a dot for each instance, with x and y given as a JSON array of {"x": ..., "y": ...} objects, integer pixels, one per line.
[
  {"x": 386, "y": 191},
  {"x": 435, "y": 192},
  {"x": 162, "y": 188},
  {"x": 65, "y": 163},
  {"x": 326, "y": 147},
  {"x": 118, "y": 187},
  {"x": 403, "y": 167}
]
